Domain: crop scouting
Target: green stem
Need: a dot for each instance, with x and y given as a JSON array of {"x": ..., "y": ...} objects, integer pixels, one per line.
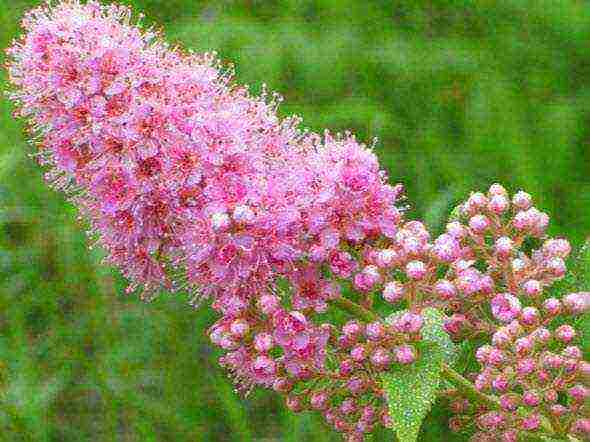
[
  {"x": 467, "y": 388},
  {"x": 355, "y": 309}
]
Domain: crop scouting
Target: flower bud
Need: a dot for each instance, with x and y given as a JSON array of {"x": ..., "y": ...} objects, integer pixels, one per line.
[
  {"x": 483, "y": 353},
  {"x": 505, "y": 307},
  {"x": 496, "y": 358},
  {"x": 368, "y": 413},
  {"x": 509, "y": 402},
  {"x": 268, "y": 304},
  {"x": 552, "y": 306},
  {"x": 531, "y": 423},
  {"x": 239, "y": 328},
  {"x": 352, "y": 329},
  {"x": 523, "y": 346},
  {"x": 393, "y": 292},
  {"x": 532, "y": 288},
  {"x": 220, "y": 221},
  {"x": 498, "y": 204},
  {"x": 243, "y": 214},
  {"x": 522, "y": 200},
  {"x": 510, "y": 436},
  {"x": 582, "y": 427},
  {"x": 294, "y": 403},
  {"x": 531, "y": 399},
  {"x": 515, "y": 329},
  {"x": 282, "y": 385},
  {"x": 319, "y": 400},
  {"x": 446, "y": 248},
  {"x": 557, "y": 247},
  {"x": 529, "y": 316},
  {"x": 380, "y": 357},
  {"x": 365, "y": 280},
  {"x": 346, "y": 367},
  {"x": 416, "y": 270},
  {"x": 552, "y": 361},
  {"x": 476, "y": 202},
  {"x": 518, "y": 265},
  {"x": 504, "y": 247},
  {"x": 356, "y": 386},
  {"x": 501, "y": 338},
  {"x": 405, "y": 354},
  {"x": 492, "y": 419},
  {"x": 263, "y": 342},
  {"x": 556, "y": 266},
  {"x": 497, "y": 190},
  {"x": 445, "y": 290},
  {"x": 374, "y": 331},
  {"x": 348, "y": 406},
  {"x": 386, "y": 258},
  {"x": 558, "y": 410},
  {"x": 386, "y": 419},
  {"x": 358, "y": 353},
  {"x": 479, "y": 223},
  {"x": 541, "y": 335},
  {"x": 456, "y": 230},
  {"x": 500, "y": 384},
  {"x": 572, "y": 352},
  {"x": 550, "y": 396},
  {"x": 577, "y": 303},
  {"x": 565, "y": 333},
  {"x": 578, "y": 393}
]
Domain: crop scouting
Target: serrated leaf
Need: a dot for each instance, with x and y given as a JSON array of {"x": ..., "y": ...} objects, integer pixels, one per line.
[
  {"x": 434, "y": 332},
  {"x": 411, "y": 390}
]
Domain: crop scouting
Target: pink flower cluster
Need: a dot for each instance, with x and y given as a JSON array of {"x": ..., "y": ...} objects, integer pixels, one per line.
[{"x": 191, "y": 182}]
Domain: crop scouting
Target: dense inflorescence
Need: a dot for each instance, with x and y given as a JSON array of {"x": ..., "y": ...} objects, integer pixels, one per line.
[{"x": 191, "y": 182}]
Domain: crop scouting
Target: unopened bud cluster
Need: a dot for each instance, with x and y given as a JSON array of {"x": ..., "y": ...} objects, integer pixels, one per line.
[{"x": 532, "y": 363}]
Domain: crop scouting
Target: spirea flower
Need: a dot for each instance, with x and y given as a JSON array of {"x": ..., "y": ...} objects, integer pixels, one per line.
[{"x": 189, "y": 181}]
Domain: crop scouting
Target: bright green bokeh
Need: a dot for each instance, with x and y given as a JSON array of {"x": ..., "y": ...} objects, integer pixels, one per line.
[{"x": 460, "y": 94}]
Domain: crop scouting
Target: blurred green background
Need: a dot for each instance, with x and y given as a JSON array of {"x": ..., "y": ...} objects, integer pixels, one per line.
[{"x": 460, "y": 94}]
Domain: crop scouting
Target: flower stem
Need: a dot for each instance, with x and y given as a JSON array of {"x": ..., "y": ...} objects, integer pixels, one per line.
[
  {"x": 467, "y": 388},
  {"x": 355, "y": 309}
]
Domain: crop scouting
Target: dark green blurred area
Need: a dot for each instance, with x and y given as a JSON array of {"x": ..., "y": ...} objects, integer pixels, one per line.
[{"x": 460, "y": 94}]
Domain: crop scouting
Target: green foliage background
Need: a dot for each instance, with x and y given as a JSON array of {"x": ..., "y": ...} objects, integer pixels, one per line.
[{"x": 460, "y": 93}]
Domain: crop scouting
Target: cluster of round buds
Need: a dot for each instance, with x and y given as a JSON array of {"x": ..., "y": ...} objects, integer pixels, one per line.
[
  {"x": 537, "y": 372},
  {"x": 320, "y": 367},
  {"x": 404, "y": 266},
  {"x": 499, "y": 264},
  {"x": 352, "y": 400},
  {"x": 532, "y": 364}
]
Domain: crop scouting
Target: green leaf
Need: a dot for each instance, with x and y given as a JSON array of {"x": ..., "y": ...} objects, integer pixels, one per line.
[
  {"x": 411, "y": 390},
  {"x": 455, "y": 214},
  {"x": 434, "y": 332}
]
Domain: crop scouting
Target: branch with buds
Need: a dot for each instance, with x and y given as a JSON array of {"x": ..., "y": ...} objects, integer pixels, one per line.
[{"x": 190, "y": 182}]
